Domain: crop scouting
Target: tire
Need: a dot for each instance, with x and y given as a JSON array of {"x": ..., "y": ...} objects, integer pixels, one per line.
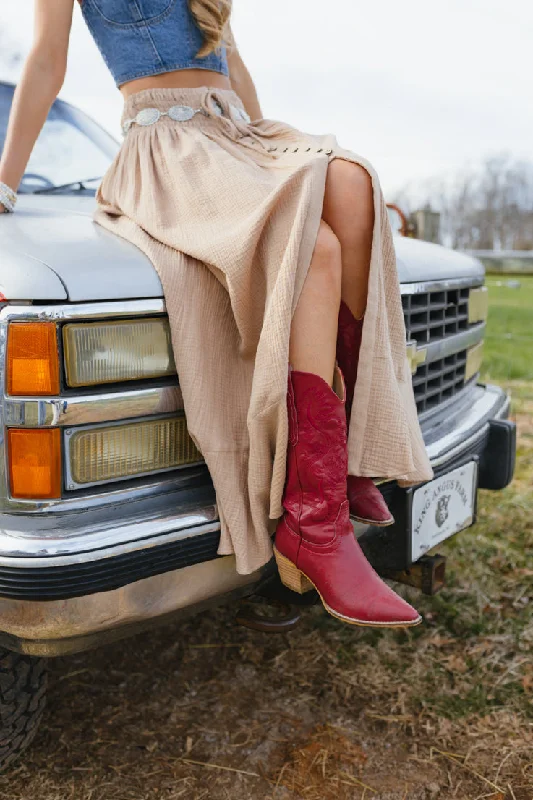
[{"x": 23, "y": 681}]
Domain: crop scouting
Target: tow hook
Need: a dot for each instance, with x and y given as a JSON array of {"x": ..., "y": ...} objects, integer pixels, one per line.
[
  {"x": 428, "y": 574},
  {"x": 267, "y": 615}
]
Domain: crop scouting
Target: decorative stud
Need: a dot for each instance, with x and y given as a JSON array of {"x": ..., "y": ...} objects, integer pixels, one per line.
[
  {"x": 181, "y": 113},
  {"x": 147, "y": 116},
  {"x": 239, "y": 113}
]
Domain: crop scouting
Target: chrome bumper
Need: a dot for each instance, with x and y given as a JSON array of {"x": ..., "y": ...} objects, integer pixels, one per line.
[
  {"x": 455, "y": 427},
  {"x": 108, "y": 530},
  {"x": 52, "y": 565},
  {"x": 58, "y": 627},
  {"x": 47, "y": 543}
]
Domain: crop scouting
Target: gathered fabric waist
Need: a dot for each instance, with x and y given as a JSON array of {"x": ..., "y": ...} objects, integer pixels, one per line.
[
  {"x": 210, "y": 109},
  {"x": 181, "y": 104}
]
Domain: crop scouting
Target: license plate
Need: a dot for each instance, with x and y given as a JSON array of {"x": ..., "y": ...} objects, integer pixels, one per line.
[{"x": 443, "y": 507}]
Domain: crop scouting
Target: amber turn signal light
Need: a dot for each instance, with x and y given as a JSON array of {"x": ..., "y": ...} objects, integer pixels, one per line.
[
  {"x": 34, "y": 463},
  {"x": 32, "y": 359}
]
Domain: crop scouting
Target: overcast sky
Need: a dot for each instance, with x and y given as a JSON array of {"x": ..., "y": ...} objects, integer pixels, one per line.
[{"x": 419, "y": 88}]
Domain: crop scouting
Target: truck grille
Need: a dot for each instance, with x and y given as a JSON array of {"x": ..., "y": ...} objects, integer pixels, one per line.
[
  {"x": 439, "y": 380},
  {"x": 434, "y": 315}
]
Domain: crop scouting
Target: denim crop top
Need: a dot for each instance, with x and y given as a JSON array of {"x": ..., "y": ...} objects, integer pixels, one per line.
[{"x": 138, "y": 38}]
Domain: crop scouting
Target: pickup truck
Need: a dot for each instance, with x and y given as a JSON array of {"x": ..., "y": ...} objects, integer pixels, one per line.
[{"x": 108, "y": 516}]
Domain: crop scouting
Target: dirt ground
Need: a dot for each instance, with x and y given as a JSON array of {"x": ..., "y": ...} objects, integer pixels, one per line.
[{"x": 208, "y": 709}]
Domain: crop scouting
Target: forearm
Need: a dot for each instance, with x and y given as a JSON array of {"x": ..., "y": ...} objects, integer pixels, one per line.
[
  {"x": 39, "y": 86},
  {"x": 240, "y": 78},
  {"x": 243, "y": 85}
]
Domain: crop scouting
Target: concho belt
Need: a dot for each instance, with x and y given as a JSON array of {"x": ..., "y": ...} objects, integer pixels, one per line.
[{"x": 149, "y": 116}]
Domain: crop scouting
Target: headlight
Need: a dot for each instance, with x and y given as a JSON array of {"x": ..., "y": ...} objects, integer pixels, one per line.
[
  {"x": 114, "y": 452},
  {"x": 110, "y": 352}
]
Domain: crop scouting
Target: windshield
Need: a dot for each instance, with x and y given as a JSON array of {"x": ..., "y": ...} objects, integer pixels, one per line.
[{"x": 71, "y": 147}]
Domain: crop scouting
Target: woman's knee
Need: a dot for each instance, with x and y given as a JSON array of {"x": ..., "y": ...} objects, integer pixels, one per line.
[
  {"x": 348, "y": 189},
  {"x": 326, "y": 264},
  {"x": 347, "y": 176}
]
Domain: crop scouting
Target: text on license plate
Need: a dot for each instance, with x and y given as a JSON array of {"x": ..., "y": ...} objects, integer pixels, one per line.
[{"x": 442, "y": 507}]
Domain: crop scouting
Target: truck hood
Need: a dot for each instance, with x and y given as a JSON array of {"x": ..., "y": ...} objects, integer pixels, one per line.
[
  {"x": 84, "y": 262},
  {"x": 52, "y": 250},
  {"x": 423, "y": 261}
]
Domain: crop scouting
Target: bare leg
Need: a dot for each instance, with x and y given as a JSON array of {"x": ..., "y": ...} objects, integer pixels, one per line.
[
  {"x": 349, "y": 211},
  {"x": 314, "y": 325},
  {"x": 314, "y": 543}
]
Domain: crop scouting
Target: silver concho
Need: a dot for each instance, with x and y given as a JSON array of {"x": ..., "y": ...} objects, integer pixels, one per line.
[
  {"x": 240, "y": 113},
  {"x": 147, "y": 116},
  {"x": 181, "y": 113}
]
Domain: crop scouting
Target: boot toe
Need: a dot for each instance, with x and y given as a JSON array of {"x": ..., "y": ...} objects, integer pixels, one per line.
[
  {"x": 391, "y": 609},
  {"x": 377, "y": 609},
  {"x": 381, "y": 520},
  {"x": 367, "y": 503}
]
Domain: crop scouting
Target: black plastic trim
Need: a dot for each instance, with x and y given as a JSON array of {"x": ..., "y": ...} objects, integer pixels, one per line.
[
  {"x": 78, "y": 580},
  {"x": 496, "y": 468}
]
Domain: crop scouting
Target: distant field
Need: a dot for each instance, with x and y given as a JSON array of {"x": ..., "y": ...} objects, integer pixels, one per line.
[
  {"x": 509, "y": 341},
  {"x": 521, "y": 263}
]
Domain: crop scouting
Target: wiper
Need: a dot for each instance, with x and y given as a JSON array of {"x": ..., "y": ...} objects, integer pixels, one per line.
[{"x": 80, "y": 185}]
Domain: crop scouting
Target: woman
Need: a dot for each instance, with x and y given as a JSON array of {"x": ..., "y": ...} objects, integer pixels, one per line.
[{"x": 276, "y": 259}]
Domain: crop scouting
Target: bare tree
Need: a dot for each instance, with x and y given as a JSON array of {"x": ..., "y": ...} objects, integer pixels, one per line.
[{"x": 489, "y": 207}]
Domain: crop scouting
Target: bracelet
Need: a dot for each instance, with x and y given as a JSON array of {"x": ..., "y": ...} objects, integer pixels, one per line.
[{"x": 8, "y": 197}]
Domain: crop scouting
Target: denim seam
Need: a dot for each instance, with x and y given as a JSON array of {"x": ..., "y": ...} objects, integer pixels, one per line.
[
  {"x": 189, "y": 31},
  {"x": 133, "y": 25},
  {"x": 150, "y": 37}
]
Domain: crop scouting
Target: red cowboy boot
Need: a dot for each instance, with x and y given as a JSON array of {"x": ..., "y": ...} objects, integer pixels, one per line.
[
  {"x": 315, "y": 543},
  {"x": 366, "y": 501}
]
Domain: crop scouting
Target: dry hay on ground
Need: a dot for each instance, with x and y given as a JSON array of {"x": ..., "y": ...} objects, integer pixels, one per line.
[{"x": 210, "y": 710}]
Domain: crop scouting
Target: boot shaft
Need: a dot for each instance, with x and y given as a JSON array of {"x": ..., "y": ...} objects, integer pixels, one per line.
[
  {"x": 349, "y": 336},
  {"x": 366, "y": 502},
  {"x": 317, "y": 460}
]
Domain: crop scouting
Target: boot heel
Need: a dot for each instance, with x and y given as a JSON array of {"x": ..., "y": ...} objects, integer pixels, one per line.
[{"x": 290, "y": 575}]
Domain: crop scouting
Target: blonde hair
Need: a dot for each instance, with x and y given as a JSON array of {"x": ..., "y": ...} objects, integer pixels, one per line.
[{"x": 212, "y": 17}]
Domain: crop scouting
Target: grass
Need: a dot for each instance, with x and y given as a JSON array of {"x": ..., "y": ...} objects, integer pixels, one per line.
[
  {"x": 509, "y": 338},
  {"x": 207, "y": 711}
]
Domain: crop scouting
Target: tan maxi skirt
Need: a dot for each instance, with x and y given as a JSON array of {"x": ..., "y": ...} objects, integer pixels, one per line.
[{"x": 228, "y": 212}]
